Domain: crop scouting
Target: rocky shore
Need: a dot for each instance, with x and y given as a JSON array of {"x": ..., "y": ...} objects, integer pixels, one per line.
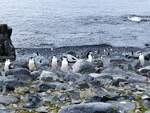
[{"x": 113, "y": 83}]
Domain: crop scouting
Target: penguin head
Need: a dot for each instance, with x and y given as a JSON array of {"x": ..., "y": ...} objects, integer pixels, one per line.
[
  {"x": 37, "y": 53},
  {"x": 31, "y": 58},
  {"x": 64, "y": 59},
  {"x": 132, "y": 52},
  {"x": 89, "y": 53},
  {"x": 53, "y": 57}
]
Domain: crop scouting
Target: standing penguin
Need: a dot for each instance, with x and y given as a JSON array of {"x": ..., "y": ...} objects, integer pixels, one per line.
[
  {"x": 141, "y": 59},
  {"x": 89, "y": 56},
  {"x": 31, "y": 64},
  {"x": 7, "y": 65},
  {"x": 64, "y": 65},
  {"x": 54, "y": 63}
]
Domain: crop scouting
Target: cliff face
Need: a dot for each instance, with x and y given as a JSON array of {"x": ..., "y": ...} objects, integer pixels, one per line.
[{"x": 7, "y": 50}]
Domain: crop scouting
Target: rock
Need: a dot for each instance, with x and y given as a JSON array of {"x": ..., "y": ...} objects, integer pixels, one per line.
[
  {"x": 34, "y": 101},
  {"x": 116, "y": 82},
  {"x": 70, "y": 58},
  {"x": 10, "y": 83},
  {"x": 35, "y": 75},
  {"x": 48, "y": 76},
  {"x": 83, "y": 85},
  {"x": 71, "y": 77},
  {"x": 120, "y": 62},
  {"x": 125, "y": 106},
  {"x": 6, "y": 100},
  {"x": 42, "y": 109},
  {"x": 22, "y": 90},
  {"x": 74, "y": 94},
  {"x": 83, "y": 66},
  {"x": 7, "y": 49},
  {"x": 85, "y": 78},
  {"x": 144, "y": 69},
  {"x": 146, "y": 101},
  {"x": 42, "y": 87},
  {"x": 20, "y": 74},
  {"x": 7, "y": 111},
  {"x": 90, "y": 108},
  {"x": 73, "y": 53}
]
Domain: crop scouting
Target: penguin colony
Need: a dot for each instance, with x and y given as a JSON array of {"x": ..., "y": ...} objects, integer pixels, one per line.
[{"x": 64, "y": 65}]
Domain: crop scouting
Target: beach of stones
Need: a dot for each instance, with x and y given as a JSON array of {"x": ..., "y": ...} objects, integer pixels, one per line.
[{"x": 114, "y": 82}]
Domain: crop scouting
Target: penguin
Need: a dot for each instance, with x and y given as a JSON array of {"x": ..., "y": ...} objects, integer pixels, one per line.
[
  {"x": 89, "y": 56},
  {"x": 54, "y": 63},
  {"x": 141, "y": 59},
  {"x": 7, "y": 65},
  {"x": 31, "y": 64},
  {"x": 64, "y": 65}
]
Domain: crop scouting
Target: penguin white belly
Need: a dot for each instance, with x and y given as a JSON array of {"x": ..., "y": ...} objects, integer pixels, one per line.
[
  {"x": 89, "y": 58},
  {"x": 141, "y": 59},
  {"x": 6, "y": 66},
  {"x": 54, "y": 64},
  {"x": 32, "y": 66},
  {"x": 65, "y": 66}
]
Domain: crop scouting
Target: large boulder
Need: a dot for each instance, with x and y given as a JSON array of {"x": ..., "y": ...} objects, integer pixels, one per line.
[
  {"x": 83, "y": 66},
  {"x": 7, "y": 50},
  {"x": 97, "y": 107}
]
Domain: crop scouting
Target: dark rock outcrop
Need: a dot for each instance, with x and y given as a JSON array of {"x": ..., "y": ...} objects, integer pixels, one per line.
[{"x": 7, "y": 50}]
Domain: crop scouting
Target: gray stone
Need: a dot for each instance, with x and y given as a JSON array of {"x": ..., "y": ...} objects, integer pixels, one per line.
[
  {"x": 42, "y": 87},
  {"x": 6, "y": 100},
  {"x": 90, "y": 108},
  {"x": 20, "y": 74},
  {"x": 34, "y": 101},
  {"x": 83, "y": 66},
  {"x": 48, "y": 76}
]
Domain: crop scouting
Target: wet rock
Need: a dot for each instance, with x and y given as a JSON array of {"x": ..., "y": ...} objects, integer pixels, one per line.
[
  {"x": 83, "y": 66},
  {"x": 89, "y": 108},
  {"x": 6, "y": 100},
  {"x": 7, "y": 49}
]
